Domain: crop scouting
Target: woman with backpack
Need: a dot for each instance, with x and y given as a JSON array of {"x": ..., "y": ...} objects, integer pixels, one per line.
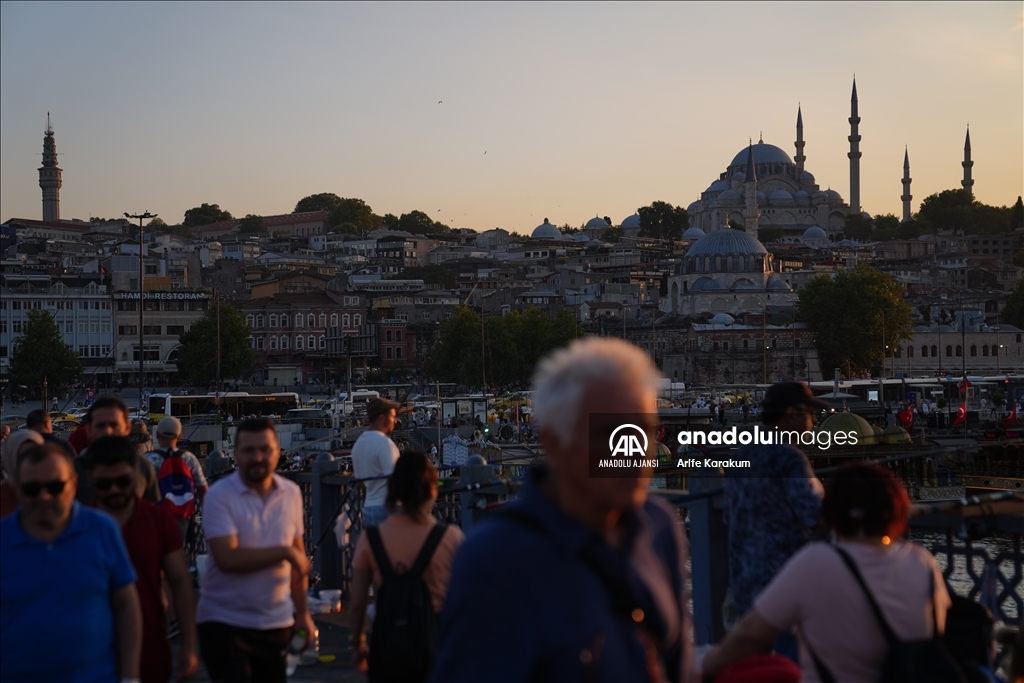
[
  {"x": 408, "y": 560},
  {"x": 870, "y": 608}
]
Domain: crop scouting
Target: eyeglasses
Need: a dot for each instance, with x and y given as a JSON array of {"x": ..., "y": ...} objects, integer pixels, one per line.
[
  {"x": 31, "y": 489},
  {"x": 106, "y": 483}
]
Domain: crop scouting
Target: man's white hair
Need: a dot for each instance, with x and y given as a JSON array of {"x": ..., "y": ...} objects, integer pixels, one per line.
[{"x": 563, "y": 376}]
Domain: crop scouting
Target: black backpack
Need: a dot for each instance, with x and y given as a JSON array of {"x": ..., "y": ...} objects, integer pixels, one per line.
[
  {"x": 405, "y": 628},
  {"x": 906, "y": 661}
]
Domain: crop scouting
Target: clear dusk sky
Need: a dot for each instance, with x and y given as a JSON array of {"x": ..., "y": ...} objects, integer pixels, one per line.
[{"x": 563, "y": 111}]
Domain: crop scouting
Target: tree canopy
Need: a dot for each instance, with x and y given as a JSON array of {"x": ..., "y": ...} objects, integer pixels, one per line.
[
  {"x": 323, "y": 201},
  {"x": 418, "y": 223},
  {"x": 1013, "y": 312},
  {"x": 662, "y": 220},
  {"x": 252, "y": 224},
  {"x": 957, "y": 210},
  {"x": 197, "y": 356},
  {"x": 204, "y": 214},
  {"x": 354, "y": 216},
  {"x": 40, "y": 353},
  {"x": 513, "y": 344},
  {"x": 855, "y": 314}
]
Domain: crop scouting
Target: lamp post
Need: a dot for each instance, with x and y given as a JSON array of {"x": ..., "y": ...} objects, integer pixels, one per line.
[{"x": 142, "y": 272}]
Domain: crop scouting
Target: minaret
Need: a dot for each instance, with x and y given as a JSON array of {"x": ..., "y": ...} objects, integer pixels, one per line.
[
  {"x": 906, "y": 197},
  {"x": 854, "y": 153},
  {"x": 750, "y": 212},
  {"x": 799, "y": 158},
  {"x": 968, "y": 182},
  {"x": 49, "y": 176}
]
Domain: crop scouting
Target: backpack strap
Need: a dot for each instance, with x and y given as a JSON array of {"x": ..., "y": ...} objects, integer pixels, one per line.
[
  {"x": 890, "y": 635},
  {"x": 427, "y": 551},
  {"x": 379, "y": 554}
]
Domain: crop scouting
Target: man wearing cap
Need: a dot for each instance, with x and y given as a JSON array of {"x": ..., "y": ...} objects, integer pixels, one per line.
[
  {"x": 168, "y": 431},
  {"x": 374, "y": 455},
  {"x": 771, "y": 507}
]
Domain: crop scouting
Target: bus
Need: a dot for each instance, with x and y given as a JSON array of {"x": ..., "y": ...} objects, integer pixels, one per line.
[{"x": 236, "y": 404}]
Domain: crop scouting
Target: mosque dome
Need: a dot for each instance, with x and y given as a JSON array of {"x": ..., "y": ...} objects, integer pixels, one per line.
[
  {"x": 722, "y": 319},
  {"x": 693, "y": 234},
  {"x": 776, "y": 283},
  {"x": 726, "y": 242},
  {"x": 692, "y": 207},
  {"x": 832, "y": 194},
  {"x": 763, "y": 154},
  {"x": 779, "y": 195},
  {"x": 760, "y": 197},
  {"x": 598, "y": 222},
  {"x": 739, "y": 175},
  {"x": 850, "y": 422},
  {"x": 806, "y": 177},
  {"x": 707, "y": 284},
  {"x": 718, "y": 186},
  {"x": 744, "y": 283},
  {"x": 730, "y": 195},
  {"x": 546, "y": 231},
  {"x": 814, "y": 233},
  {"x": 581, "y": 237},
  {"x": 630, "y": 221},
  {"x": 801, "y": 194}
]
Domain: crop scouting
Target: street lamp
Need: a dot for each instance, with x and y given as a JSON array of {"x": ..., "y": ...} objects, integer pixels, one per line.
[{"x": 142, "y": 272}]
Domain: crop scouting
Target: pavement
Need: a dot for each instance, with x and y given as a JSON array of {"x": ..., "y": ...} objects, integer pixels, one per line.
[{"x": 334, "y": 635}]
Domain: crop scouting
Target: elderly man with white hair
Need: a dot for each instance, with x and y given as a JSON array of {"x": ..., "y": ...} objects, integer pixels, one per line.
[{"x": 584, "y": 576}]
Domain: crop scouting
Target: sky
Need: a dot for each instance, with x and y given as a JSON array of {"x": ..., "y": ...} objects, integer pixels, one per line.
[{"x": 487, "y": 115}]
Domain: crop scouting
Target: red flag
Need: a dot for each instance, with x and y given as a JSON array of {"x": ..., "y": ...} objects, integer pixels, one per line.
[
  {"x": 961, "y": 414},
  {"x": 964, "y": 383},
  {"x": 906, "y": 417},
  {"x": 661, "y": 434},
  {"x": 1012, "y": 417}
]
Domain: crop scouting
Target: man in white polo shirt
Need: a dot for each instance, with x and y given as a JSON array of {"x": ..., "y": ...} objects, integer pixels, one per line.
[
  {"x": 374, "y": 455},
  {"x": 253, "y": 597}
]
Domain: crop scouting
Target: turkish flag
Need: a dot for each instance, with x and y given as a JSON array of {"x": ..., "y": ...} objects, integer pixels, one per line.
[
  {"x": 1012, "y": 417},
  {"x": 961, "y": 414},
  {"x": 964, "y": 384},
  {"x": 661, "y": 434},
  {"x": 906, "y": 417}
]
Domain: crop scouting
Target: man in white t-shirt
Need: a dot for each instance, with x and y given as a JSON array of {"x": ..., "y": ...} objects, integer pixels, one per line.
[{"x": 374, "y": 455}]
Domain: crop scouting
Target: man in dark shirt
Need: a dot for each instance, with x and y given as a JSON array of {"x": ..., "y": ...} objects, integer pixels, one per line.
[
  {"x": 576, "y": 549},
  {"x": 154, "y": 545}
]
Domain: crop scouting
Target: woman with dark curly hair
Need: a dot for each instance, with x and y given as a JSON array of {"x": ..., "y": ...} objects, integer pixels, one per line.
[{"x": 816, "y": 591}]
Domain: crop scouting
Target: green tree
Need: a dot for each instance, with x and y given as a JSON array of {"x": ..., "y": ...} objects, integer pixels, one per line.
[
  {"x": 1017, "y": 215},
  {"x": 909, "y": 230},
  {"x": 612, "y": 235},
  {"x": 769, "y": 233},
  {"x": 957, "y": 210},
  {"x": 1013, "y": 312},
  {"x": 887, "y": 227},
  {"x": 857, "y": 227},
  {"x": 850, "y": 312},
  {"x": 204, "y": 214},
  {"x": 40, "y": 354},
  {"x": 197, "y": 356},
  {"x": 418, "y": 223},
  {"x": 662, "y": 220},
  {"x": 356, "y": 213},
  {"x": 323, "y": 201},
  {"x": 252, "y": 224},
  {"x": 390, "y": 221}
]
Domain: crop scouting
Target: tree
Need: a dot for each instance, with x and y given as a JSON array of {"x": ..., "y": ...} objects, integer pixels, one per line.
[
  {"x": 355, "y": 213},
  {"x": 886, "y": 227},
  {"x": 197, "y": 355},
  {"x": 857, "y": 227},
  {"x": 662, "y": 220},
  {"x": 418, "y": 223},
  {"x": 40, "y": 354},
  {"x": 612, "y": 235},
  {"x": 390, "y": 221},
  {"x": 324, "y": 201},
  {"x": 252, "y": 224},
  {"x": 769, "y": 233},
  {"x": 1017, "y": 215},
  {"x": 855, "y": 315},
  {"x": 204, "y": 214},
  {"x": 957, "y": 210},
  {"x": 1013, "y": 312}
]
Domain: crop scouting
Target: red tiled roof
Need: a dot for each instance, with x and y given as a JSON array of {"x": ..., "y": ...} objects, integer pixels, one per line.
[{"x": 81, "y": 227}]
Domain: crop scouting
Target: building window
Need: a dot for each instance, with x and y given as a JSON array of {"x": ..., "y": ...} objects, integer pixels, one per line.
[
  {"x": 974, "y": 350},
  {"x": 273, "y": 321},
  {"x": 151, "y": 329},
  {"x": 252, "y": 343},
  {"x": 273, "y": 343},
  {"x": 334, "y": 319},
  {"x": 259, "y": 343},
  {"x": 388, "y": 352},
  {"x": 174, "y": 305},
  {"x": 949, "y": 352},
  {"x": 259, "y": 322},
  {"x": 910, "y": 351},
  {"x": 935, "y": 351},
  {"x": 995, "y": 350},
  {"x": 298, "y": 342},
  {"x": 984, "y": 350},
  {"x": 152, "y": 305},
  {"x": 398, "y": 353},
  {"x": 323, "y": 342},
  {"x": 175, "y": 330},
  {"x": 127, "y": 330},
  {"x": 311, "y": 321},
  {"x": 249, "y": 320},
  {"x": 357, "y": 320},
  {"x": 284, "y": 343},
  {"x": 298, "y": 320},
  {"x": 959, "y": 351},
  {"x": 284, "y": 321},
  {"x": 346, "y": 320},
  {"x": 323, "y": 320},
  {"x": 725, "y": 346},
  {"x": 310, "y": 343}
]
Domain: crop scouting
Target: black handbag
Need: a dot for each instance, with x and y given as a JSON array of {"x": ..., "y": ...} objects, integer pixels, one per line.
[{"x": 906, "y": 661}]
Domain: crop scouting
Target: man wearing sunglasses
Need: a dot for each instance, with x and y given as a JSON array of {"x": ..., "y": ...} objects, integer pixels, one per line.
[
  {"x": 154, "y": 546},
  {"x": 69, "y": 609}
]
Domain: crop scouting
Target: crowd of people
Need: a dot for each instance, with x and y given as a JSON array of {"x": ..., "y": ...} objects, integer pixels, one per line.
[{"x": 91, "y": 558}]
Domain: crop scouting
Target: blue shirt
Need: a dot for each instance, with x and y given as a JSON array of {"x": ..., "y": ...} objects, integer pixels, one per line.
[
  {"x": 768, "y": 509},
  {"x": 56, "y": 619},
  {"x": 523, "y": 605}
]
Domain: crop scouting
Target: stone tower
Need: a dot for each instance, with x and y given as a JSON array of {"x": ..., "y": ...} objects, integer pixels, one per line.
[
  {"x": 968, "y": 181},
  {"x": 49, "y": 176},
  {"x": 799, "y": 158},
  {"x": 750, "y": 212},
  {"x": 854, "y": 153},
  {"x": 906, "y": 197}
]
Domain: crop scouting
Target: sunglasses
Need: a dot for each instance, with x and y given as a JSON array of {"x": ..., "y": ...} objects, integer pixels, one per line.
[
  {"x": 106, "y": 483},
  {"x": 31, "y": 489}
]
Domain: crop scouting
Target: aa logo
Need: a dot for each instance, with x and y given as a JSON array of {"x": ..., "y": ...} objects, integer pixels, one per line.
[{"x": 628, "y": 440}]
